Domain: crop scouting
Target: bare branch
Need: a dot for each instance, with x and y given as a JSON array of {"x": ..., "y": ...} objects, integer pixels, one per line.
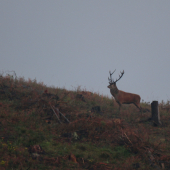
[{"x": 56, "y": 114}]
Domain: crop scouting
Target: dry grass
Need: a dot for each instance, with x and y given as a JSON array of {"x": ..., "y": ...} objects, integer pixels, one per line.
[{"x": 31, "y": 136}]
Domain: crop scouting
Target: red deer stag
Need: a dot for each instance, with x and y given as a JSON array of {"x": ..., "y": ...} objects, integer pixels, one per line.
[{"x": 122, "y": 97}]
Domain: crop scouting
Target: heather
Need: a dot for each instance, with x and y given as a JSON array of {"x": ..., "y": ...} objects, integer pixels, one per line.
[{"x": 45, "y": 127}]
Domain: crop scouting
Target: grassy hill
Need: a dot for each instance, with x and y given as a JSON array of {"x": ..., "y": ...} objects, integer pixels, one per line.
[{"x": 51, "y": 128}]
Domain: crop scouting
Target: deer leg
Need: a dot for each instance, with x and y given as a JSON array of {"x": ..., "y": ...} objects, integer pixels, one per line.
[
  {"x": 119, "y": 106},
  {"x": 138, "y": 106}
]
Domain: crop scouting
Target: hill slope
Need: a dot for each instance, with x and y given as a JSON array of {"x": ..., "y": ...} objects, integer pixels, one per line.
[{"x": 51, "y": 128}]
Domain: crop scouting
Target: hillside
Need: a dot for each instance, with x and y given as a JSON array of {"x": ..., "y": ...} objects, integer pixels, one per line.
[{"x": 51, "y": 128}]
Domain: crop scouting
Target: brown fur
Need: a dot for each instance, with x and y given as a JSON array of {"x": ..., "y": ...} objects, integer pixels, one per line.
[{"x": 122, "y": 97}]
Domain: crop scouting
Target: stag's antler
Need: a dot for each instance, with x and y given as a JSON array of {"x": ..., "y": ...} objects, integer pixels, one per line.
[
  {"x": 120, "y": 76},
  {"x": 111, "y": 81}
]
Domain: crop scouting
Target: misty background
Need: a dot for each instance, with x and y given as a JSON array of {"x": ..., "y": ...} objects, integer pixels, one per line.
[{"x": 72, "y": 43}]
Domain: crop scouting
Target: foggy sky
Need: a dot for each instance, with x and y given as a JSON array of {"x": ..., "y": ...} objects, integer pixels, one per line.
[{"x": 71, "y": 43}]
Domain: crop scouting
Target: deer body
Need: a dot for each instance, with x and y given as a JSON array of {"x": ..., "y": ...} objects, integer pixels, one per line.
[{"x": 122, "y": 97}]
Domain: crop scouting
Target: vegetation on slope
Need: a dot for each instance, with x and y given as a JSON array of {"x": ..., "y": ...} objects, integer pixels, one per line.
[{"x": 35, "y": 135}]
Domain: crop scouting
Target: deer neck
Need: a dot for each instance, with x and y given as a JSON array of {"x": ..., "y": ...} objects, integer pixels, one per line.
[{"x": 114, "y": 91}]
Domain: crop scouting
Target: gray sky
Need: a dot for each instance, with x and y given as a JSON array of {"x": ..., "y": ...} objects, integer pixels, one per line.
[{"x": 71, "y": 43}]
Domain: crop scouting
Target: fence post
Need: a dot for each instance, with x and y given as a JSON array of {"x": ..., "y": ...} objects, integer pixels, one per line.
[{"x": 155, "y": 113}]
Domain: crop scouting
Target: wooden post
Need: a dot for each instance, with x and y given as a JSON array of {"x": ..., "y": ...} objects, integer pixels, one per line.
[{"x": 155, "y": 113}]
